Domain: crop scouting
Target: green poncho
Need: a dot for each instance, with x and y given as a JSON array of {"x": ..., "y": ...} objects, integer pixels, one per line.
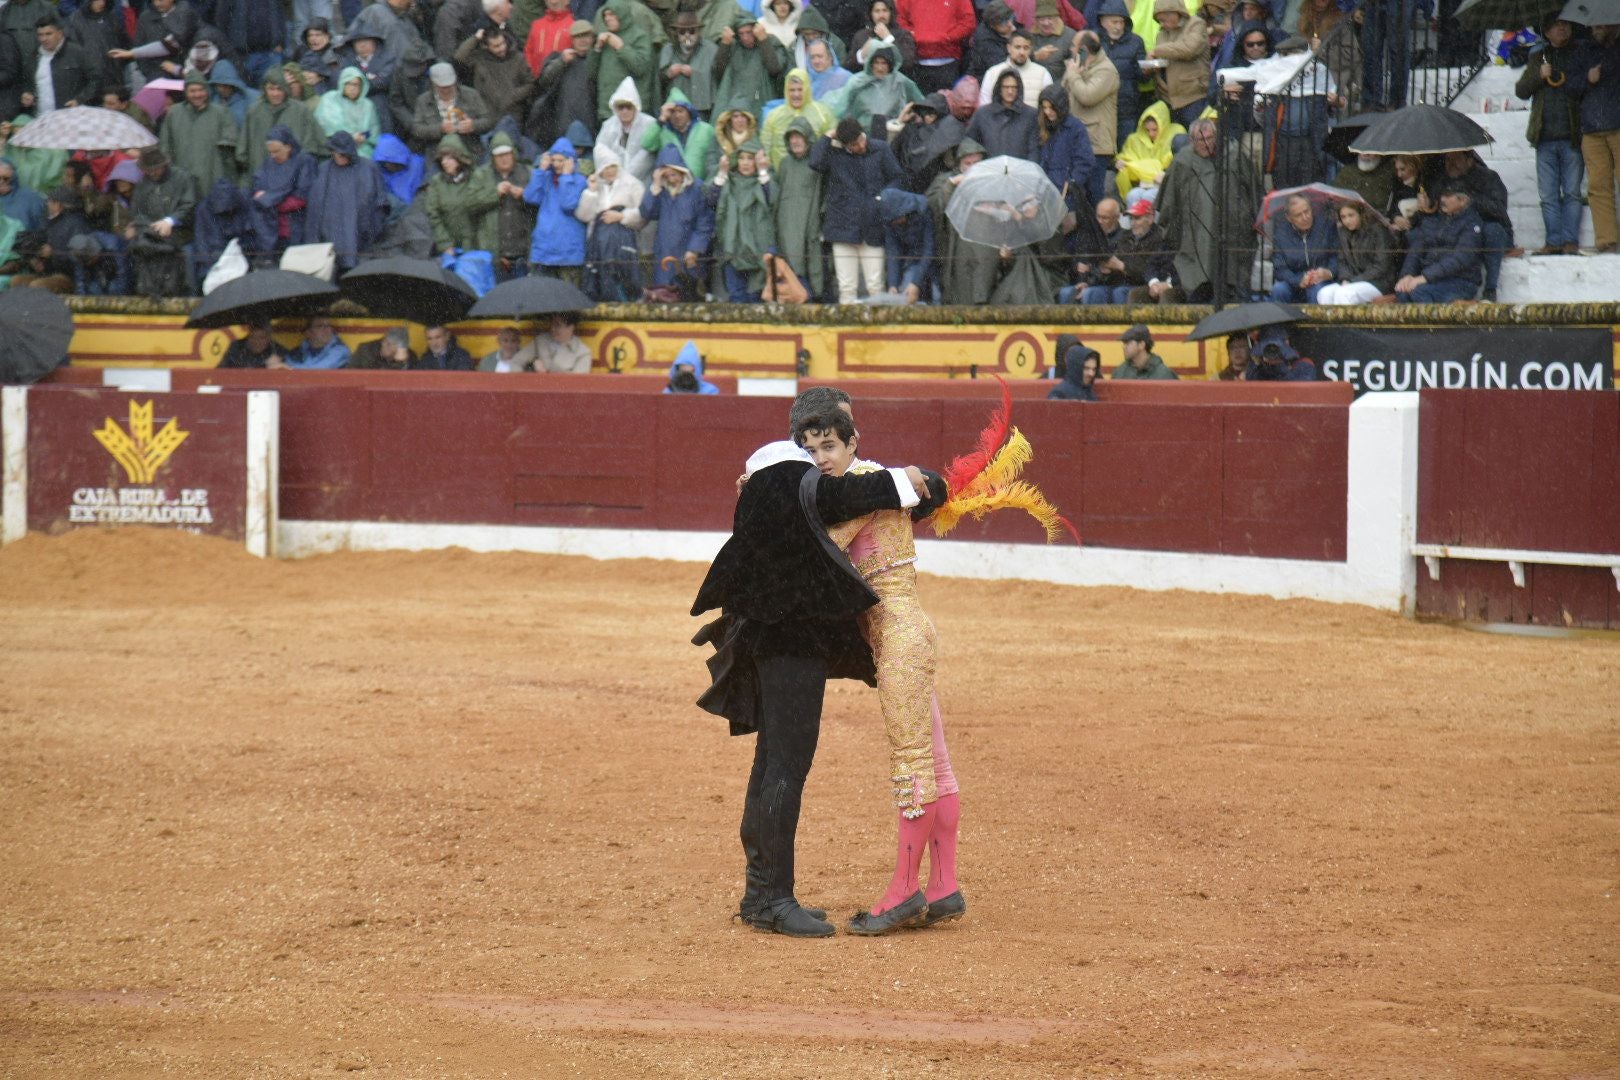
[
  {"x": 800, "y": 197},
  {"x": 744, "y": 228},
  {"x": 610, "y": 66},
  {"x": 868, "y": 95},
  {"x": 202, "y": 141},
  {"x": 262, "y": 116}
]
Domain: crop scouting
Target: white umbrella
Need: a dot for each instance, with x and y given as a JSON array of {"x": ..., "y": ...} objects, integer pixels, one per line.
[
  {"x": 1006, "y": 202},
  {"x": 84, "y": 127}
]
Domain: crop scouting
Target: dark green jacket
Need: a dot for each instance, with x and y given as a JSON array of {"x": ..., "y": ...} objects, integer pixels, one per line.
[
  {"x": 1156, "y": 369},
  {"x": 1541, "y": 95}
]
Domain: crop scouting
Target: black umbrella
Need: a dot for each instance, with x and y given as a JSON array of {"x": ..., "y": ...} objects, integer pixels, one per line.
[
  {"x": 1420, "y": 129},
  {"x": 1345, "y": 132},
  {"x": 1244, "y": 317},
  {"x": 262, "y": 294},
  {"x": 417, "y": 290},
  {"x": 1504, "y": 14},
  {"x": 36, "y": 327},
  {"x": 1591, "y": 12},
  {"x": 529, "y": 297}
]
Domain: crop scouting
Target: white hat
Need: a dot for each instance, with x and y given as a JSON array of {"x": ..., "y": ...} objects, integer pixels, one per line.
[{"x": 442, "y": 74}]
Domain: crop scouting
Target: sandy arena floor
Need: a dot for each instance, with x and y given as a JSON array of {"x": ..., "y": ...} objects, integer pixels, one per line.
[{"x": 454, "y": 815}]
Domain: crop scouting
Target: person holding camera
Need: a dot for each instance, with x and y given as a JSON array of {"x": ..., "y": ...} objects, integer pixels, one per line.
[{"x": 1276, "y": 360}]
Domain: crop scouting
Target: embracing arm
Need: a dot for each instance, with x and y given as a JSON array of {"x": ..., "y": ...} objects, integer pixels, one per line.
[{"x": 839, "y": 498}]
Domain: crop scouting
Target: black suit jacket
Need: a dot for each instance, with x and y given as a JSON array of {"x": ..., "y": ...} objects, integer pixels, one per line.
[
  {"x": 75, "y": 76},
  {"x": 783, "y": 587}
]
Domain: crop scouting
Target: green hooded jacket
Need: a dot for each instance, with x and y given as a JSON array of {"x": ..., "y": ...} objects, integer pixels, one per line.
[
  {"x": 609, "y": 66},
  {"x": 262, "y": 116},
  {"x": 744, "y": 225},
  {"x": 694, "y": 148},
  {"x": 457, "y": 207},
  {"x": 800, "y": 200},
  {"x": 509, "y": 228},
  {"x": 752, "y": 75},
  {"x": 203, "y": 141}
]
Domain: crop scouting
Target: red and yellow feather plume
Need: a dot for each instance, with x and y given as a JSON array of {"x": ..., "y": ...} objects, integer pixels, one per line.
[{"x": 986, "y": 479}]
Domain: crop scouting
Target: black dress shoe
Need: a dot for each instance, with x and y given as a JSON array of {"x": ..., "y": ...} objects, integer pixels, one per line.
[
  {"x": 787, "y": 917},
  {"x": 945, "y": 909},
  {"x": 909, "y": 912},
  {"x": 753, "y": 913}
]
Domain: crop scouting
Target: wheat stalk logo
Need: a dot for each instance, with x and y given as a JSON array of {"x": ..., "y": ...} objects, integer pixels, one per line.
[{"x": 140, "y": 452}]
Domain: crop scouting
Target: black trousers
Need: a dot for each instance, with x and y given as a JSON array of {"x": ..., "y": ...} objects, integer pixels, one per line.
[{"x": 791, "y": 689}]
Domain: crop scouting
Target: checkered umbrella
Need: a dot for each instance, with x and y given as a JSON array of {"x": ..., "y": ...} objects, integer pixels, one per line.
[{"x": 84, "y": 127}]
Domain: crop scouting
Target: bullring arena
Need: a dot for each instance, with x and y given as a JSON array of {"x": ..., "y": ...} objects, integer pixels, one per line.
[{"x": 454, "y": 813}]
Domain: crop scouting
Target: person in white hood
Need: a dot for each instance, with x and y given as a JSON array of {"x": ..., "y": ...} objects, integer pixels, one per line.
[{"x": 621, "y": 134}]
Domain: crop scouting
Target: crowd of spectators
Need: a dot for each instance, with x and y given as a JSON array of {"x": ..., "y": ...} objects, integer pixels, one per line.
[{"x": 737, "y": 149}]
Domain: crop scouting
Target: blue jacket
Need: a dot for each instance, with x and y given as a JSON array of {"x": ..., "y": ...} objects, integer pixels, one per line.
[
  {"x": 908, "y": 240},
  {"x": 1294, "y": 368},
  {"x": 1600, "y": 104},
  {"x": 1127, "y": 54},
  {"x": 854, "y": 182},
  {"x": 685, "y": 221},
  {"x": 1293, "y": 254},
  {"x": 559, "y": 237},
  {"x": 1066, "y": 155},
  {"x": 335, "y": 355},
  {"x": 689, "y": 355},
  {"x": 1448, "y": 247}
]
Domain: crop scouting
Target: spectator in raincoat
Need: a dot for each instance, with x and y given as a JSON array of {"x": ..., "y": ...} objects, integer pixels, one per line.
[
  {"x": 624, "y": 132},
  {"x": 280, "y": 189},
  {"x": 200, "y": 136},
  {"x": 732, "y": 128},
  {"x": 622, "y": 48},
  {"x": 686, "y": 63},
  {"x": 275, "y": 109},
  {"x": 800, "y": 206},
  {"x": 350, "y": 109},
  {"x": 611, "y": 210},
  {"x": 348, "y": 203},
  {"x": 908, "y": 243},
  {"x": 1126, "y": 52},
  {"x": 686, "y": 373},
  {"x": 510, "y": 226},
  {"x": 880, "y": 90},
  {"x": 1007, "y": 126},
  {"x": 458, "y": 199},
  {"x": 826, "y": 76},
  {"x": 676, "y": 205},
  {"x": 748, "y": 66},
  {"x": 679, "y": 126},
  {"x": 403, "y": 171},
  {"x": 558, "y": 245},
  {"x": 1065, "y": 153},
  {"x": 797, "y": 101},
  {"x": 744, "y": 223},
  {"x": 1146, "y": 155}
]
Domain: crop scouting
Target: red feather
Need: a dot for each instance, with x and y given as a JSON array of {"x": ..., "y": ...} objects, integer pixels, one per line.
[{"x": 961, "y": 471}]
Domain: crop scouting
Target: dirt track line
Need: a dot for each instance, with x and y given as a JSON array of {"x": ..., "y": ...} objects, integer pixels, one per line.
[{"x": 668, "y": 1017}]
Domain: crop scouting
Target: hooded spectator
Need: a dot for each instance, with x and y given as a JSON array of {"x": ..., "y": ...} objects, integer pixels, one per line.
[
  {"x": 622, "y": 48},
  {"x": 1183, "y": 43},
  {"x": 317, "y": 54},
  {"x": 1080, "y": 367},
  {"x": 1147, "y": 154},
  {"x": 1125, "y": 50},
  {"x": 800, "y": 206},
  {"x": 98, "y": 27},
  {"x": 679, "y": 126},
  {"x": 555, "y": 188},
  {"x": 624, "y": 132},
  {"x": 279, "y": 190},
  {"x": 883, "y": 29},
  {"x": 275, "y": 109},
  {"x": 509, "y": 228},
  {"x": 780, "y": 18},
  {"x": 676, "y": 203},
  {"x": 499, "y": 75},
  {"x": 797, "y": 102},
  {"x": 923, "y": 144},
  {"x": 348, "y": 202},
  {"x": 224, "y": 214},
  {"x": 744, "y": 222},
  {"x": 1367, "y": 259},
  {"x": 1190, "y": 217},
  {"x": 908, "y": 242},
  {"x": 1007, "y": 125},
  {"x": 567, "y": 88},
  {"x": 458, "y": 198},
  {"x": 988, "y": 45},
  {"x": 349, "y": 109},
  {"x": 748, "y": 66},
  {"x": 826, "y": 76},
  {"x": 732, "y": 128},
  {"x": 403, "y": 171},
  {"x": 686, "y": 373},
  {"x": 880, "y": 90},
  {"x": 611, "y": 209},
  {"x": 1274, "y": 359},
  {"x": 200, "y": 136},
  {"x": 229, "y": 89},
  {"x": 686, "y": 62},
  {"x": 1065, "y": 151}
]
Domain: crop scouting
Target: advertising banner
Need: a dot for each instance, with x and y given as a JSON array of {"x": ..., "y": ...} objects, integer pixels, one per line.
[
  {"x": 1461, "y": 358},
  {"x": 204, "y": 463}
]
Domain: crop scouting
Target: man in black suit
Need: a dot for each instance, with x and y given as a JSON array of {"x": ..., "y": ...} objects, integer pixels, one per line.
[
  {"x": 789, "y": 599},
  {"x": 71, "y": 78}
]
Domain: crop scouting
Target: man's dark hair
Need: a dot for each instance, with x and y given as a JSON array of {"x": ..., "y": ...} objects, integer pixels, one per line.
[
  {"x": 47, "y": 20},
  {"x": 835, "y": 420},
  {"x": 118, "y": 89},
  {"x": 1021, "y": 33},
  {"x": 849, "y": 129},
  {"x": 817, "y": 399}
]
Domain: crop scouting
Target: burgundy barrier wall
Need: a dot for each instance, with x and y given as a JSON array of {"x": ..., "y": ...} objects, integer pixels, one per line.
[
  {"x": 1525, "y": 470},
  {"x": 1235, "y": 479}
]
